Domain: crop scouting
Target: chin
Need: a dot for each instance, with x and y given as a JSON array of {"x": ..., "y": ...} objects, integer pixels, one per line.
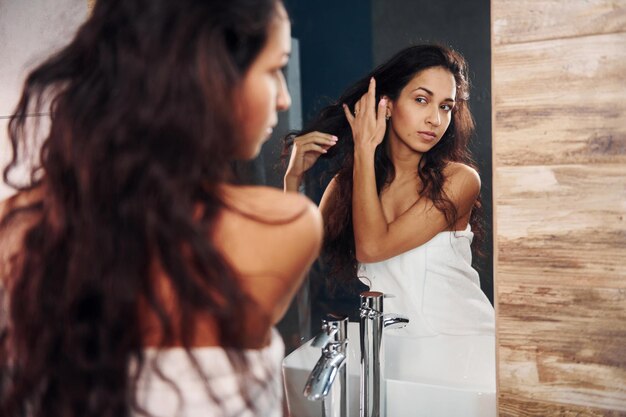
[
  {"x": 422, "y": 149},
  {"x": 250, "y": 154}
]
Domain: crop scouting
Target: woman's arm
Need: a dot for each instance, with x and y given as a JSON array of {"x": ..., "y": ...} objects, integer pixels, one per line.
[
  {"x": 377, "y": 240},
  {"x": 368, "y": 129},
  {"x": 368, "y": 218}
]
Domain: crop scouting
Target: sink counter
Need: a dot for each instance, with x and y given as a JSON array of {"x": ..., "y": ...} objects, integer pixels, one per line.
[{"x": 436, "y": 376}]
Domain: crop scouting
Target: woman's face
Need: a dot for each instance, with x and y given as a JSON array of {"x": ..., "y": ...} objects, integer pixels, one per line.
[
  {"x": 264, "y": 90},
  {"x": 422, "y": 112}
]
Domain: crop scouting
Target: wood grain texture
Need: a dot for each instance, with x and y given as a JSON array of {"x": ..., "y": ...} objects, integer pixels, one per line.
[
  {"x": 521, "y": 407},
  {"x": 522, "y": 21},
  {"x": 562, "y": 344},
  {"x": 562, "y": 224},
  {"x": 560, "y": 206},
  {"x": 551, "y": 110}
]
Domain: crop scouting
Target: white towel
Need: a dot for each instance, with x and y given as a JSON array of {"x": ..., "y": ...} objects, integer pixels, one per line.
[
  {"x": 436, "y": 286},
  {"x": 162, "y": 400}
]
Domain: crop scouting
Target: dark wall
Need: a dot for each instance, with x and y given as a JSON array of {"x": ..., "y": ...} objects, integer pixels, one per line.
[{"x": 335, "y": 47}]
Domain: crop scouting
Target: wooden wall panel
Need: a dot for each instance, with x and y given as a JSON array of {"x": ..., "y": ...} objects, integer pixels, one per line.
[
  {"x": 563, "y": 224},
  {"x": 559, "y": 101},
  {"x": 547, "y": 346},
  {"x": 519, "y": 407},
  {"x": 552, "y": 110},
  {"x": 522, "y": 21}
]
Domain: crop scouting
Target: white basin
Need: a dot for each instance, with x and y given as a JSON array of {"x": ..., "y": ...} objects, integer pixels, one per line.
[{"x": 437, "y": 376}]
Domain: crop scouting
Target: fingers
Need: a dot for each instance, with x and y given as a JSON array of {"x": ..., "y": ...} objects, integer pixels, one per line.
[
  {"x": 316, "y": 137},
  {"x": 365, "y": 108},
  {"x": 349, "y": 115},
  {"x": 307, "y": 149},
  {"x": 314, "y": 147},
  {"x": 371, "y": 95},
  {"x": 382, "y": 110},
  {"x": 314, "y": 142},
  {"x": 366, "y": 105},
  {"x": 381, "y": 122}
]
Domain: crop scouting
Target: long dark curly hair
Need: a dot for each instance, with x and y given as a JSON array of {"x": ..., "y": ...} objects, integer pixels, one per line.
[
  {"x": 142, "y": 131},
  {"x": 391, "y": 77}
]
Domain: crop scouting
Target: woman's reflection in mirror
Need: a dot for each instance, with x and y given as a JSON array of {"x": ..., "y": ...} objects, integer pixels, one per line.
[{"x": 403, "y": 205}]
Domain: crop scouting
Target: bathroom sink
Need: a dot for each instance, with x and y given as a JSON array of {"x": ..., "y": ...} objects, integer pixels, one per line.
[{"x": 436, "y": 376}]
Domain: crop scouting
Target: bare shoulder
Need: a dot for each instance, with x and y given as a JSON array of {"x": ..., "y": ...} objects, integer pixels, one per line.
[
  {"x": 271, "y": 239},
  {"x": 267, "y": 204},
  {"x": 285, "y": 227},
  {"x": 462, "y": 177}
]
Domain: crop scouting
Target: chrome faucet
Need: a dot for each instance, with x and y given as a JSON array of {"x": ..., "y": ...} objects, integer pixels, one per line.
[
  {"x": 371, "y": 326},
  {"x": 328, "y": 380}
]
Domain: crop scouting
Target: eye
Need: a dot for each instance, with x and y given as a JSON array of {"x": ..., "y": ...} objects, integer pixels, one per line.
[
  {"x": 446, "y": 107},
  {"x": 421, "y": 100},
  {"x": 279, "y": 73},
  {"x": 281, "y": 70}
]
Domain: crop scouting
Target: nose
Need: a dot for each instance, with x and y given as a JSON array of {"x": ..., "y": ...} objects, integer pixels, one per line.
[
  {"x": 434, "y": 118},
  {"x": 283, "y": 99}
]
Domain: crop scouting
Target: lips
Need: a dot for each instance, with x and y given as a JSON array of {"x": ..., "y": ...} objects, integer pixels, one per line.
[{"x": 427, "y": 135}]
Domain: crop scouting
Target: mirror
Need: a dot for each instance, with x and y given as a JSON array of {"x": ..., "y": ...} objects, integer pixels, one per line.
[{"x": 339, "y": 42}]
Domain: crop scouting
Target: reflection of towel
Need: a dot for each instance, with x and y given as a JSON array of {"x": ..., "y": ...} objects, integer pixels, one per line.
[{"x": 436, "y": 286}]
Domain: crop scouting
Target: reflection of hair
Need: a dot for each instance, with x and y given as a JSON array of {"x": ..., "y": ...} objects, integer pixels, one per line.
[
  {"x": 391, "y": 77},
  {"x": 141, "y": 132}
]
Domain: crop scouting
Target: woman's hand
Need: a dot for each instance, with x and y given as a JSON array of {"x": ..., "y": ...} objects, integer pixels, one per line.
[
  {"x": 305, "y": 152},
  {"x": 368, "y": 122}
]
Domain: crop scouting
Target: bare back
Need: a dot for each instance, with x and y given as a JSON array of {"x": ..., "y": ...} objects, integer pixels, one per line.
[{"x": 270, "y": 240}]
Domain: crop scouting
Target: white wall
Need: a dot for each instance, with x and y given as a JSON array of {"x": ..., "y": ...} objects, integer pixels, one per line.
[{"x": 30, "y": 30}]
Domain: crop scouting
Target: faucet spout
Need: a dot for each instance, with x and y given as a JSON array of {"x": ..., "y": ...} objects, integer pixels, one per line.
[
  {"x": 323, "y": 375},
  {"x": 394, "y": 321},
  {"x": 328, "y": 379}
]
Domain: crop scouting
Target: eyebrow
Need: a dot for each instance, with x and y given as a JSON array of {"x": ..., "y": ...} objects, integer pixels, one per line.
[{"x": 430, "y": 93}]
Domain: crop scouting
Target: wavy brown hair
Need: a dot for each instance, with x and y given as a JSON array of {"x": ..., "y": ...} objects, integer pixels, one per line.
[
  {"x": 141, "y": 133},
  {"x": 391, "y": 77}
]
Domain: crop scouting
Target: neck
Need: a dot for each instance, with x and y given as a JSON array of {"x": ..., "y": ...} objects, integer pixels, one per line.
[{"x": 405, "y": 160}]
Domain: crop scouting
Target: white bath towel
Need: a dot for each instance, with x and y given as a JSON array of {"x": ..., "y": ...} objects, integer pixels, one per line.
[
  {"x": 162, "y": 399},
  {"x": 436, "y": 286}
]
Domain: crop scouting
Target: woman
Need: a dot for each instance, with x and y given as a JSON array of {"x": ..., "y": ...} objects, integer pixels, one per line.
[
  {"x": 134, "y": 277},
  {"x": 398, "y": 211}
]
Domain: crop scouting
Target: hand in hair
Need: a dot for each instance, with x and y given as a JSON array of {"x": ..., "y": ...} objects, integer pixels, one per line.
[
  {"x": 305, "y": 152},
  {"x": 368, "y": 122}
]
